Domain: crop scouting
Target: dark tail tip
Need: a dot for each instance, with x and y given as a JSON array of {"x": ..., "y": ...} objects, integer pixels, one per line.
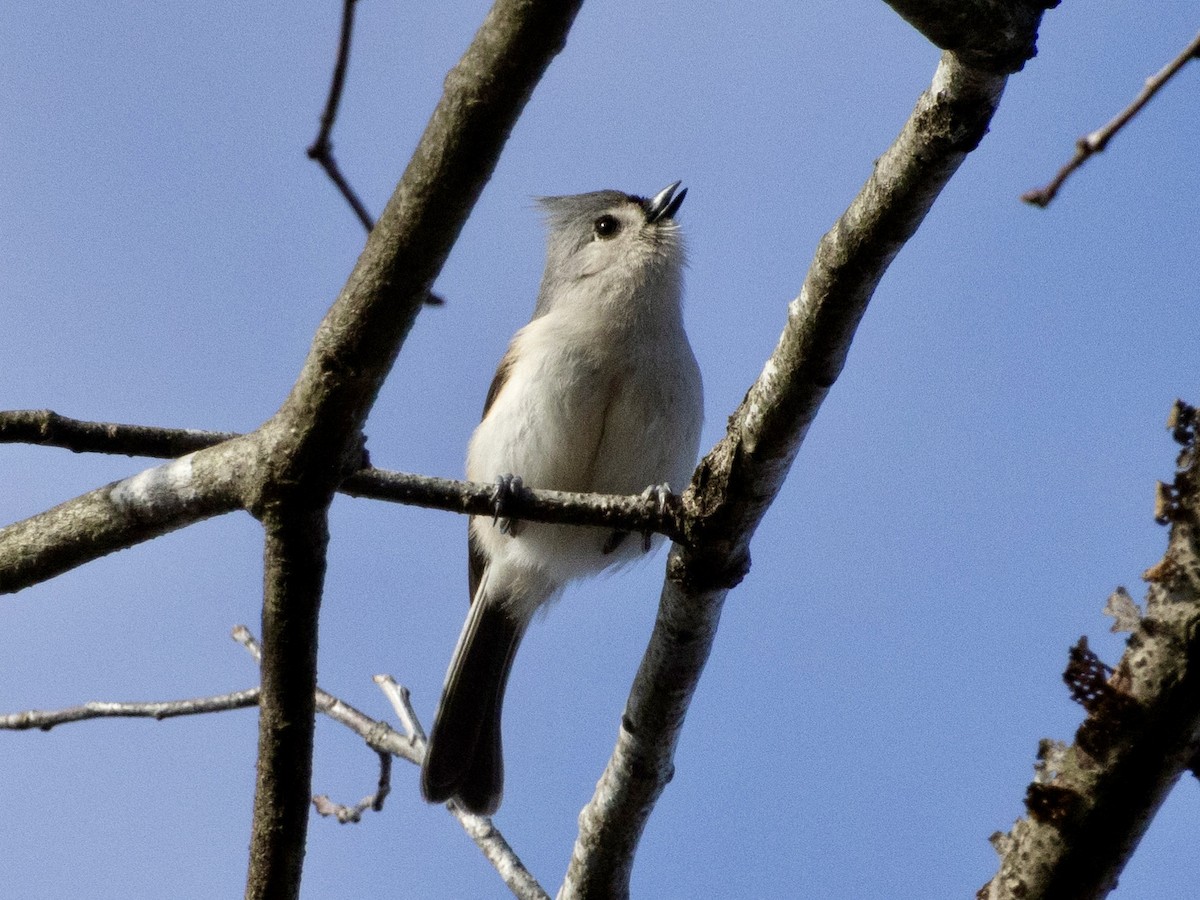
[{"x": 464, "y": 758}]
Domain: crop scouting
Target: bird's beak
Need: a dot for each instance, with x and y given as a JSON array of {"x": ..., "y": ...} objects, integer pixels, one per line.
[{"x": 665, "y": 203}]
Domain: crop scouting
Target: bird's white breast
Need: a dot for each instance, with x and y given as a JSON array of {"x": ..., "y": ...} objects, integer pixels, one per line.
[{"x": 586, "y": 408}]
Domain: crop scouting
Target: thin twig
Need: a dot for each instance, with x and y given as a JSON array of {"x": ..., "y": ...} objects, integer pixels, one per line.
[
  {"x": 164, "y": 709},
  {"x": 242, "y": 635},
  {"x": 346, "y": 814},
  {"x": 322, "y": 148},
  {"x": 500, "y": 854},
  {"x": 400, "y": 698},
  {"x": 379, "y": 736},
  {"x": 1091, "y": 144}
]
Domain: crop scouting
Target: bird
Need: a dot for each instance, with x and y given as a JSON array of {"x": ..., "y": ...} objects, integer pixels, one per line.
[{"x": 600, "y": 392}]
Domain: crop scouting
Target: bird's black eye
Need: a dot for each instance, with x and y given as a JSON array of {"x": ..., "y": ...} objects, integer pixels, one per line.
[{"x": 607, "y": 226}]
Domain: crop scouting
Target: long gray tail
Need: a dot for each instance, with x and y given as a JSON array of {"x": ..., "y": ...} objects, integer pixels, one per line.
[{"x": 463, "y": 758}]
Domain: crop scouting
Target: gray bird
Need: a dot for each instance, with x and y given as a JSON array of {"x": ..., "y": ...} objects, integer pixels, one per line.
[{"x": 600, "y": 392}]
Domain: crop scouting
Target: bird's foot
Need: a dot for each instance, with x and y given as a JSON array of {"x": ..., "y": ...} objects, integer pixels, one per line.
[
  {"x": 508, "y": 488},
  {"x": 658, "y": 499}
]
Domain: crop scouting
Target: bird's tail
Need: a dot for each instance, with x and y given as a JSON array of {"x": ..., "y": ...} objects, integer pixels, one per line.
[{"x": 463, "y": 758}]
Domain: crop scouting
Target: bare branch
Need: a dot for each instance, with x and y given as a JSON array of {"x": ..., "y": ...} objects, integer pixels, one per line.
[
  {"x": 243, "y": 636},
  {"x": 1090, "y": 803},
  {"x": 165, "y": 709},
  {"x": 361, "y": 334},
  {"x": 48, "y": 429},
  {"x": 400, "y": 699},
  {"x": 1091, "y": 144},
  {"x": 993, "y": 35},
  {"x": 737, "y": 481},
  {"x": 480, "y": 829},
  {"x": 622, "y": 513},
  {"x": 322, "y": 148},
  {"x": 632, "y": 513},
  {"x": 293, "y": 578},
  {"x": 345, "y": 814},
  {"x": 379, "y": 736},
  {"x": 500, "y": 854}
]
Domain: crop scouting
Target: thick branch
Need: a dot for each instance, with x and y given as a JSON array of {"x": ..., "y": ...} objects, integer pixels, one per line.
[
  {"x": 742, "y": 475},
  {"x": 293, "y": 575},
  {"x": 611, "y": 825},
  {"x": 308, "y": 444},
  {"x": 992, "y": 35},
  {"x": 739, "y": 479},
  {"x": 121, "y": 514},
  {"x": 1090, "y": 803}
]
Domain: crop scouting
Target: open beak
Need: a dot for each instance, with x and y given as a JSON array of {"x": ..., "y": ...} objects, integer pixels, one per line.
[{"x": 665, "y": 203}]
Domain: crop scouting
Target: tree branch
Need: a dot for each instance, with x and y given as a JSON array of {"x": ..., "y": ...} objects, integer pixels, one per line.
[
  {"x": 992, "y": 35},
  {"x": 344, "y": 814},
  {"x": 144, "y": 506},
  {"x": 633, "y": 512},
  {"x": 361, "y": 334},
  {"x": 740, "y": 477},
  {"x": 379, "y": 736},
  {"x": 307, "y": 445},
  {"x": 622, "y": 513},
  {"x": 401, "y": 701},
  {"x": 321, "y": 150},
  {"x": 1091, "y": 144},
  {"x": 293, "y": 577},
  {"x": 47, "y": 428},
  {"x": 1090, "y": 803},
  {"x": 164, "y": 709},
  {"x": 500, "y": 854}
]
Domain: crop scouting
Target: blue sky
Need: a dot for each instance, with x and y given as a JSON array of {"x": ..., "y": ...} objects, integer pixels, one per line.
[{"x": 979, "y": 480}]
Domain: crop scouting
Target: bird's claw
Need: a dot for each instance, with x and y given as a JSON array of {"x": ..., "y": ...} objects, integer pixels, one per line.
[
  {"x": 506, "y": 490},
  {"x": 658, "y": 500}
]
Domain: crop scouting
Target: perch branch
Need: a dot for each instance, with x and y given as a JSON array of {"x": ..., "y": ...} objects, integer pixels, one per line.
[{"x": 622, "y": 513}]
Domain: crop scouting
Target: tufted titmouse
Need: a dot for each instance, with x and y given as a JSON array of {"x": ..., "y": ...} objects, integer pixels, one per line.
[{"x": 600, "y": 392}]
